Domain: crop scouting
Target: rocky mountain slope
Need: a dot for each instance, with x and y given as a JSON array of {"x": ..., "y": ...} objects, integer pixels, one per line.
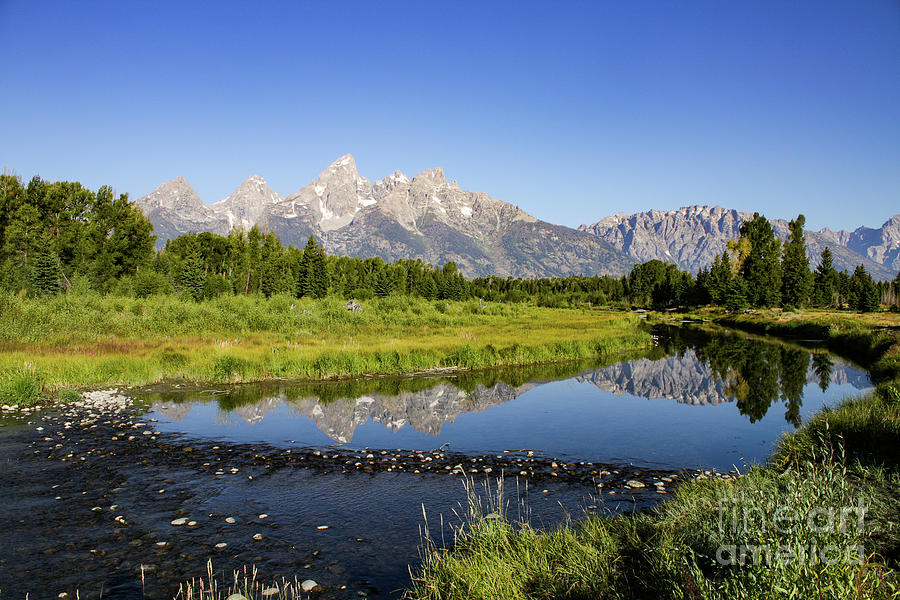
[
  {"x": 396, "y": 217},
  {"x": 692, "y": 236},
  {"x": 881, "y": 245}
]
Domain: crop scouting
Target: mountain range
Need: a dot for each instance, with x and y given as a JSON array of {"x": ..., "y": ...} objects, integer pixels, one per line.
[
  {"x": 692, "y": 236},
  {"x": 433, "y": 219},
  {"x": 396, "y": 217}
]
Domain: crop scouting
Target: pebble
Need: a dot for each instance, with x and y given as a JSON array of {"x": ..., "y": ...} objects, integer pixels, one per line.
[
  {"x": 230, "y": 520},
  {"x": 634, "y": 483},
  {"x": 221, "y": 545},
  {"x": 320, "y": 527},
  {"x": 269, "y": 591},
  {"x": 180, "y": 521},
  {"x": 236, "y": 597},
  {"x": 264, "y": 516},
  {"x": 308, "y": 585},
  {"x": 258, "y": 537}
]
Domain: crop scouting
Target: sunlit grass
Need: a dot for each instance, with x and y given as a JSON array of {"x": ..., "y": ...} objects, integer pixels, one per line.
[
  {"x": 103, "y": 340},
  {"x": 843, "y": 458}
]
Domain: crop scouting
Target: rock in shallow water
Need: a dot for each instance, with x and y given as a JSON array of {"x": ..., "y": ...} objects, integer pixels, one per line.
[{"x": 308, "y": 585}]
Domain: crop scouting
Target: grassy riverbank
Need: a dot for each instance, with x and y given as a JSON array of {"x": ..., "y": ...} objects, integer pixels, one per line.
[
  {"x": 48, "y": 345},
  {"x": 788, "y": 512}
]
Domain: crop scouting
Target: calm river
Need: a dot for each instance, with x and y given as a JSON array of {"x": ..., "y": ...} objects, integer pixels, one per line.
[{"x": 328, "y": 481}]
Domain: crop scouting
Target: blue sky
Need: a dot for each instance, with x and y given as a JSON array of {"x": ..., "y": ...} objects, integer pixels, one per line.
[{"x": 573, "y": 111}]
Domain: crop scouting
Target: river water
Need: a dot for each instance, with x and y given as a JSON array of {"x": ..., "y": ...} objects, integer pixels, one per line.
[{"x": 341, "y": 471}]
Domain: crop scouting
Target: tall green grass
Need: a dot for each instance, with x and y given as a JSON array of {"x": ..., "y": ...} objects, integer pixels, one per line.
[
  {"x": 90, "y": 340},
  {"x": 758, "y": 536},
  {"x": 700, "y": 544}
]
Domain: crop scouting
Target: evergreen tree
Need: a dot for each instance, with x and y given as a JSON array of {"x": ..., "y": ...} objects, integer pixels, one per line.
[
  {"x": 863, "y": 293},
  {"x": 896, "y": 286},
  {"x": 736, "y": 295},
  {"x": 720, "y": 276},
  {"x": 428, "y": 289},
  {"x": 313, "y": 271},
  {"x": 825, "y": 280},
  {"x": 761, "y": 270},
  {"x": 796, "y": 277},
  {"x": 46, "y": 272},
  {"x": 383, "y": 284},
  {"x": 191, "y": 277}
]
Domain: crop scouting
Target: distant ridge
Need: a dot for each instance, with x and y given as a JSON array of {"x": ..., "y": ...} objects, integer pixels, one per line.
[
  {"x": 427, "y": 217},
  {"x": 692, "y": 236}
]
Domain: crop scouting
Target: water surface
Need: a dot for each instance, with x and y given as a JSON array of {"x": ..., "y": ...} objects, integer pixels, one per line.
[
  {"x": 699, "y": 400},
  {"x": 87, "y": 497}
]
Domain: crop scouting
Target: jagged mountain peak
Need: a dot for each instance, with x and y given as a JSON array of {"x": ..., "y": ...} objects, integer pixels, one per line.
[
  {"x": 344, "y": 165},
  {"x": 692, "y": 236},
  {"x": 396, "y": 217},
  {"x": 433, "y": 176},
  {"x": 175, "y": 194}
]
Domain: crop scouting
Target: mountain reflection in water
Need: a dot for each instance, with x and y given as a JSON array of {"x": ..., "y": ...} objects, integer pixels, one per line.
[{"x": 689, "y": 366}]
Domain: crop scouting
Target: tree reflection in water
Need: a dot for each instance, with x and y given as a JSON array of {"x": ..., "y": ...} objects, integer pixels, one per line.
[{"x": 757, "y": 372}]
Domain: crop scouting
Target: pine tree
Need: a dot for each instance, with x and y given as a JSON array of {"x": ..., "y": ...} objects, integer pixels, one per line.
[
  {"x": 863, "y": 293},
  {"x": 720, "y": 276},
  {"x": 736, "y": 296},
  {"x": 191, "y": 277},
  {"x": 825, "y": 280},
  {"x": 761, "y": 270},
  {"x": 383, "y": 284},
  {"x": 796, "y": 277},
  {"x": 46, "y": 273},
  {"x": 313, "y": 271},
  {"x": 428, "y": 289}
]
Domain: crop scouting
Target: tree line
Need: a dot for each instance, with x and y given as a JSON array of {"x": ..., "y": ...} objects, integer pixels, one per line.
[
  {"x": 56, "y": 235},
  {"x": 759, "y": 271}
]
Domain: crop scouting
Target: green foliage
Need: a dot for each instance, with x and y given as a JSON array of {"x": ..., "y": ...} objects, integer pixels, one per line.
[
  {"x": 46, "y": 272},
  {"x": 314, "y": 282},
  {"x": 720, "y": 276},
  {"x": 761, "y": 269},
  {"x": 796, "y": 277},
  {"x": 22, "y": 387},
  {"x": 825, "y": 281},
  {"x": 736, "y": 295},
  {"x": 699, "y": 545},
  {"x": 90, "y": 234},
  {"x": 148, "y": 282},
  {"x": 863, "y": 295},
  {"x": 191, "y": 278}
]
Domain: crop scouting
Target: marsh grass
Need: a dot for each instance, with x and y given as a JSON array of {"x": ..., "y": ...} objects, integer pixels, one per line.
[
  {"x": 675, "y": 551},
  {"x": 843, "y": 462},
  {"x": 92, "y": 340},
  {"x": 244, "y": 582}
]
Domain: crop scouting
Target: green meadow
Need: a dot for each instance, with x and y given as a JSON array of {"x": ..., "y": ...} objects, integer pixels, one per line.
[{"x": 88, "y": 340}]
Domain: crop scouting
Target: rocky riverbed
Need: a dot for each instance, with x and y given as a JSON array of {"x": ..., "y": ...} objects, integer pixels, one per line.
[{"x": 95, "y": 500}]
